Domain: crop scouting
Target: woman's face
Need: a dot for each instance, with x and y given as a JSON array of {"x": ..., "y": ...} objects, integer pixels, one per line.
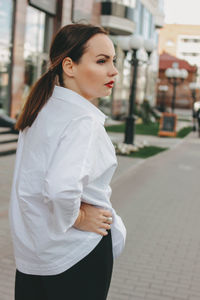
[{"x": 95, "y": 73}]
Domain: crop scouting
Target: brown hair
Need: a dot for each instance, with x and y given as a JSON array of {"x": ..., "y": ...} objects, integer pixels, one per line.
[{"x": 70, "y": 41}]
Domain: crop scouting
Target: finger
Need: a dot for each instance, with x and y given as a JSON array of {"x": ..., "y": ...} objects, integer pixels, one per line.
[
  {"x": 106, "y": 220},
  {"x": 102, "y": 232},
  {"x": 106, "y": 226}
]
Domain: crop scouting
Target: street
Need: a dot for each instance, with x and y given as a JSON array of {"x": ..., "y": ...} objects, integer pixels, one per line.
[{"x": 158, "y": 199}]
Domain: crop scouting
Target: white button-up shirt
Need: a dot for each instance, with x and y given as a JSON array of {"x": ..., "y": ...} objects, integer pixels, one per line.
[{"x": 64, "y": 158}]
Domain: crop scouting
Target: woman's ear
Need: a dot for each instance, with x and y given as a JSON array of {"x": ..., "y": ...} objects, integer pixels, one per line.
[{"x": 67, "y": 65}]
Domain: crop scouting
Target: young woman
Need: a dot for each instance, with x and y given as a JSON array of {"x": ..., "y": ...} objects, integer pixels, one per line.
[{"x": 65, "y": 231}]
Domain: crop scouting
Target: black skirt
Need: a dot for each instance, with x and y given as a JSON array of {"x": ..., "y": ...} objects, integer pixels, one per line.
[{"x": 89, "y": 279}]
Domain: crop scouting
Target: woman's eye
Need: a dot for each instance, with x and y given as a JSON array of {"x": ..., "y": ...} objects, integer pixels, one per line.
[
  {"x": 101, "y": 61},
  {"x": 114, "y": 61}
]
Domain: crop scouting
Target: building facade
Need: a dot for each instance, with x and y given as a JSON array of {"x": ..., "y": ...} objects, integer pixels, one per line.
[
  {"x": 27, "y": 28},
  {"x": 183, "y": 93},
  {"x": 182, "y": 41},
  {"x": 148, "y": 18}
]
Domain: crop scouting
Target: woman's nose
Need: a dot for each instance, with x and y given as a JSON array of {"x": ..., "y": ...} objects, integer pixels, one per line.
[{"x": 113, "y": 71}]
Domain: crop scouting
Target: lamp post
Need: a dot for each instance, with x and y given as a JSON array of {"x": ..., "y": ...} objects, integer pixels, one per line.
[
  {"x": 163, "y": 89},
  {"x": 132, "y": 43},
  {"x": 194, "y": 86},
  {"x": 175, "y": 76}
]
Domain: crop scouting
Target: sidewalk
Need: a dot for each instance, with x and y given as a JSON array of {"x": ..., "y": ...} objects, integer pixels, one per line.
[
  {"x": 126, "y": 164},
  {"x": 159, "y": 203},
  {"x": 7, "y": 266},
  {"x": 150, "y": 140}
]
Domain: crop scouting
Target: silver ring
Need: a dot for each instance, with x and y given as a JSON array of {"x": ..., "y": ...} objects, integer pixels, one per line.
[{"x": 109, "y": 219}]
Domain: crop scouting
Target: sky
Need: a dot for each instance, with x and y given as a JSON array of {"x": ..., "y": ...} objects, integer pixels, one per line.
[{"x": 182, "y": 11}]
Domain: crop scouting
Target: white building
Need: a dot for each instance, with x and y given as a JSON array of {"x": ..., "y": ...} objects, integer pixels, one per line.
[
  {"x": 188, "y": 48},
  {"x": 182, "y": 41}
]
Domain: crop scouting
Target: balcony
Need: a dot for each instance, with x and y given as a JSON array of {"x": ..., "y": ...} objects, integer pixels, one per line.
[{"x": 117, "y": 18}]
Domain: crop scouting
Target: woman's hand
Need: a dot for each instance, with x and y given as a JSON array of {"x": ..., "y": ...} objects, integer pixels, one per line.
[{"x": 93, "y": 219}]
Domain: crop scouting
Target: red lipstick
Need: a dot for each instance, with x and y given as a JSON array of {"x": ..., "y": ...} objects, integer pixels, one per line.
[{"x": 110, "y": 84}]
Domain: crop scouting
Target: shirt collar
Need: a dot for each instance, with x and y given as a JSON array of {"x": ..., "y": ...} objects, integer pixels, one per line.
[{"x": 67, "y": 95}]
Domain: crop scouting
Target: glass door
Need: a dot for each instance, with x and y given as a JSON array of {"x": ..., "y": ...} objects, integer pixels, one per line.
[{"x": 6, "y": 17}]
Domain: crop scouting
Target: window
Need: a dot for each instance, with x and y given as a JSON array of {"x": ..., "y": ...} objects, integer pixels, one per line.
[
  {"x": 190, "y": 40},
  {"x": 141, "y": 18},
  {"x": 6, "y": 12},
  {"x": 190, "y": 54},
  {"x": 146, "y": 23},
  {"x": 130, "y": 3},
  {"x": 150, "y": 25},
  {"x": 38, "y": 33},
  {"x": 170, "y": 43}
]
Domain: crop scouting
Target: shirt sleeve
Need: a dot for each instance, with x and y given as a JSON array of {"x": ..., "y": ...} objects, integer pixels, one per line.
[{"x": 68, "y": 173}]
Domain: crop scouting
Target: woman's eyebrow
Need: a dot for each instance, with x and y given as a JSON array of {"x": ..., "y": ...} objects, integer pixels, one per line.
[{"x": 107, "y": 56}]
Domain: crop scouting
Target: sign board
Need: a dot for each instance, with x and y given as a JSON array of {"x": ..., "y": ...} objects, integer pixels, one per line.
[
  {"x": 47, "y": 6},
  {"x": 168, "y": 125}
]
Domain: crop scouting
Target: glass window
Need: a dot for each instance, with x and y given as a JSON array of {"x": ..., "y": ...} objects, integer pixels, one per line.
[
  {"x": 161, "y": 5},
  {"x": 130, "y": 3},
  {"x": 150, "y": 25},
  {"x": 146, "y": 23},
  {"x": 38, "y": 33},
  {"x": 141, "y": 18},
  {"x": 6, "y": 13},
  {"x": 170, "y": 43},
  {"x": 136, "y": 17}
]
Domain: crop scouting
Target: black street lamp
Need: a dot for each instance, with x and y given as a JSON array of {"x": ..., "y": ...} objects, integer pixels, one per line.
[
  {"x": 132, "y": 43},
  {"x": 163, "y": 89},
  {"x": 175, "y": 76},
  {"x": 194, "y": 86}
]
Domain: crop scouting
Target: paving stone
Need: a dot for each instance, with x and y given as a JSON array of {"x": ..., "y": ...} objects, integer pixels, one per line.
[{"x": 162, "y": 218}]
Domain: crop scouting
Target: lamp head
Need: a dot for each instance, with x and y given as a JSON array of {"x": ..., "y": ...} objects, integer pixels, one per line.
[
  {"x": 136, "y": 42},
  {"x": 123, "y": 42},
  {"x": 194, "y": 86},
  {"x": 169, "y": 73},
  {"x": 183, "y": 73},
  {"x": 149, "y": 46}
]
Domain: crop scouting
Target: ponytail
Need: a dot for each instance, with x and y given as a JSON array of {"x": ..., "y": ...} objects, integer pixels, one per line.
[{"x": 40, "y": 93}]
